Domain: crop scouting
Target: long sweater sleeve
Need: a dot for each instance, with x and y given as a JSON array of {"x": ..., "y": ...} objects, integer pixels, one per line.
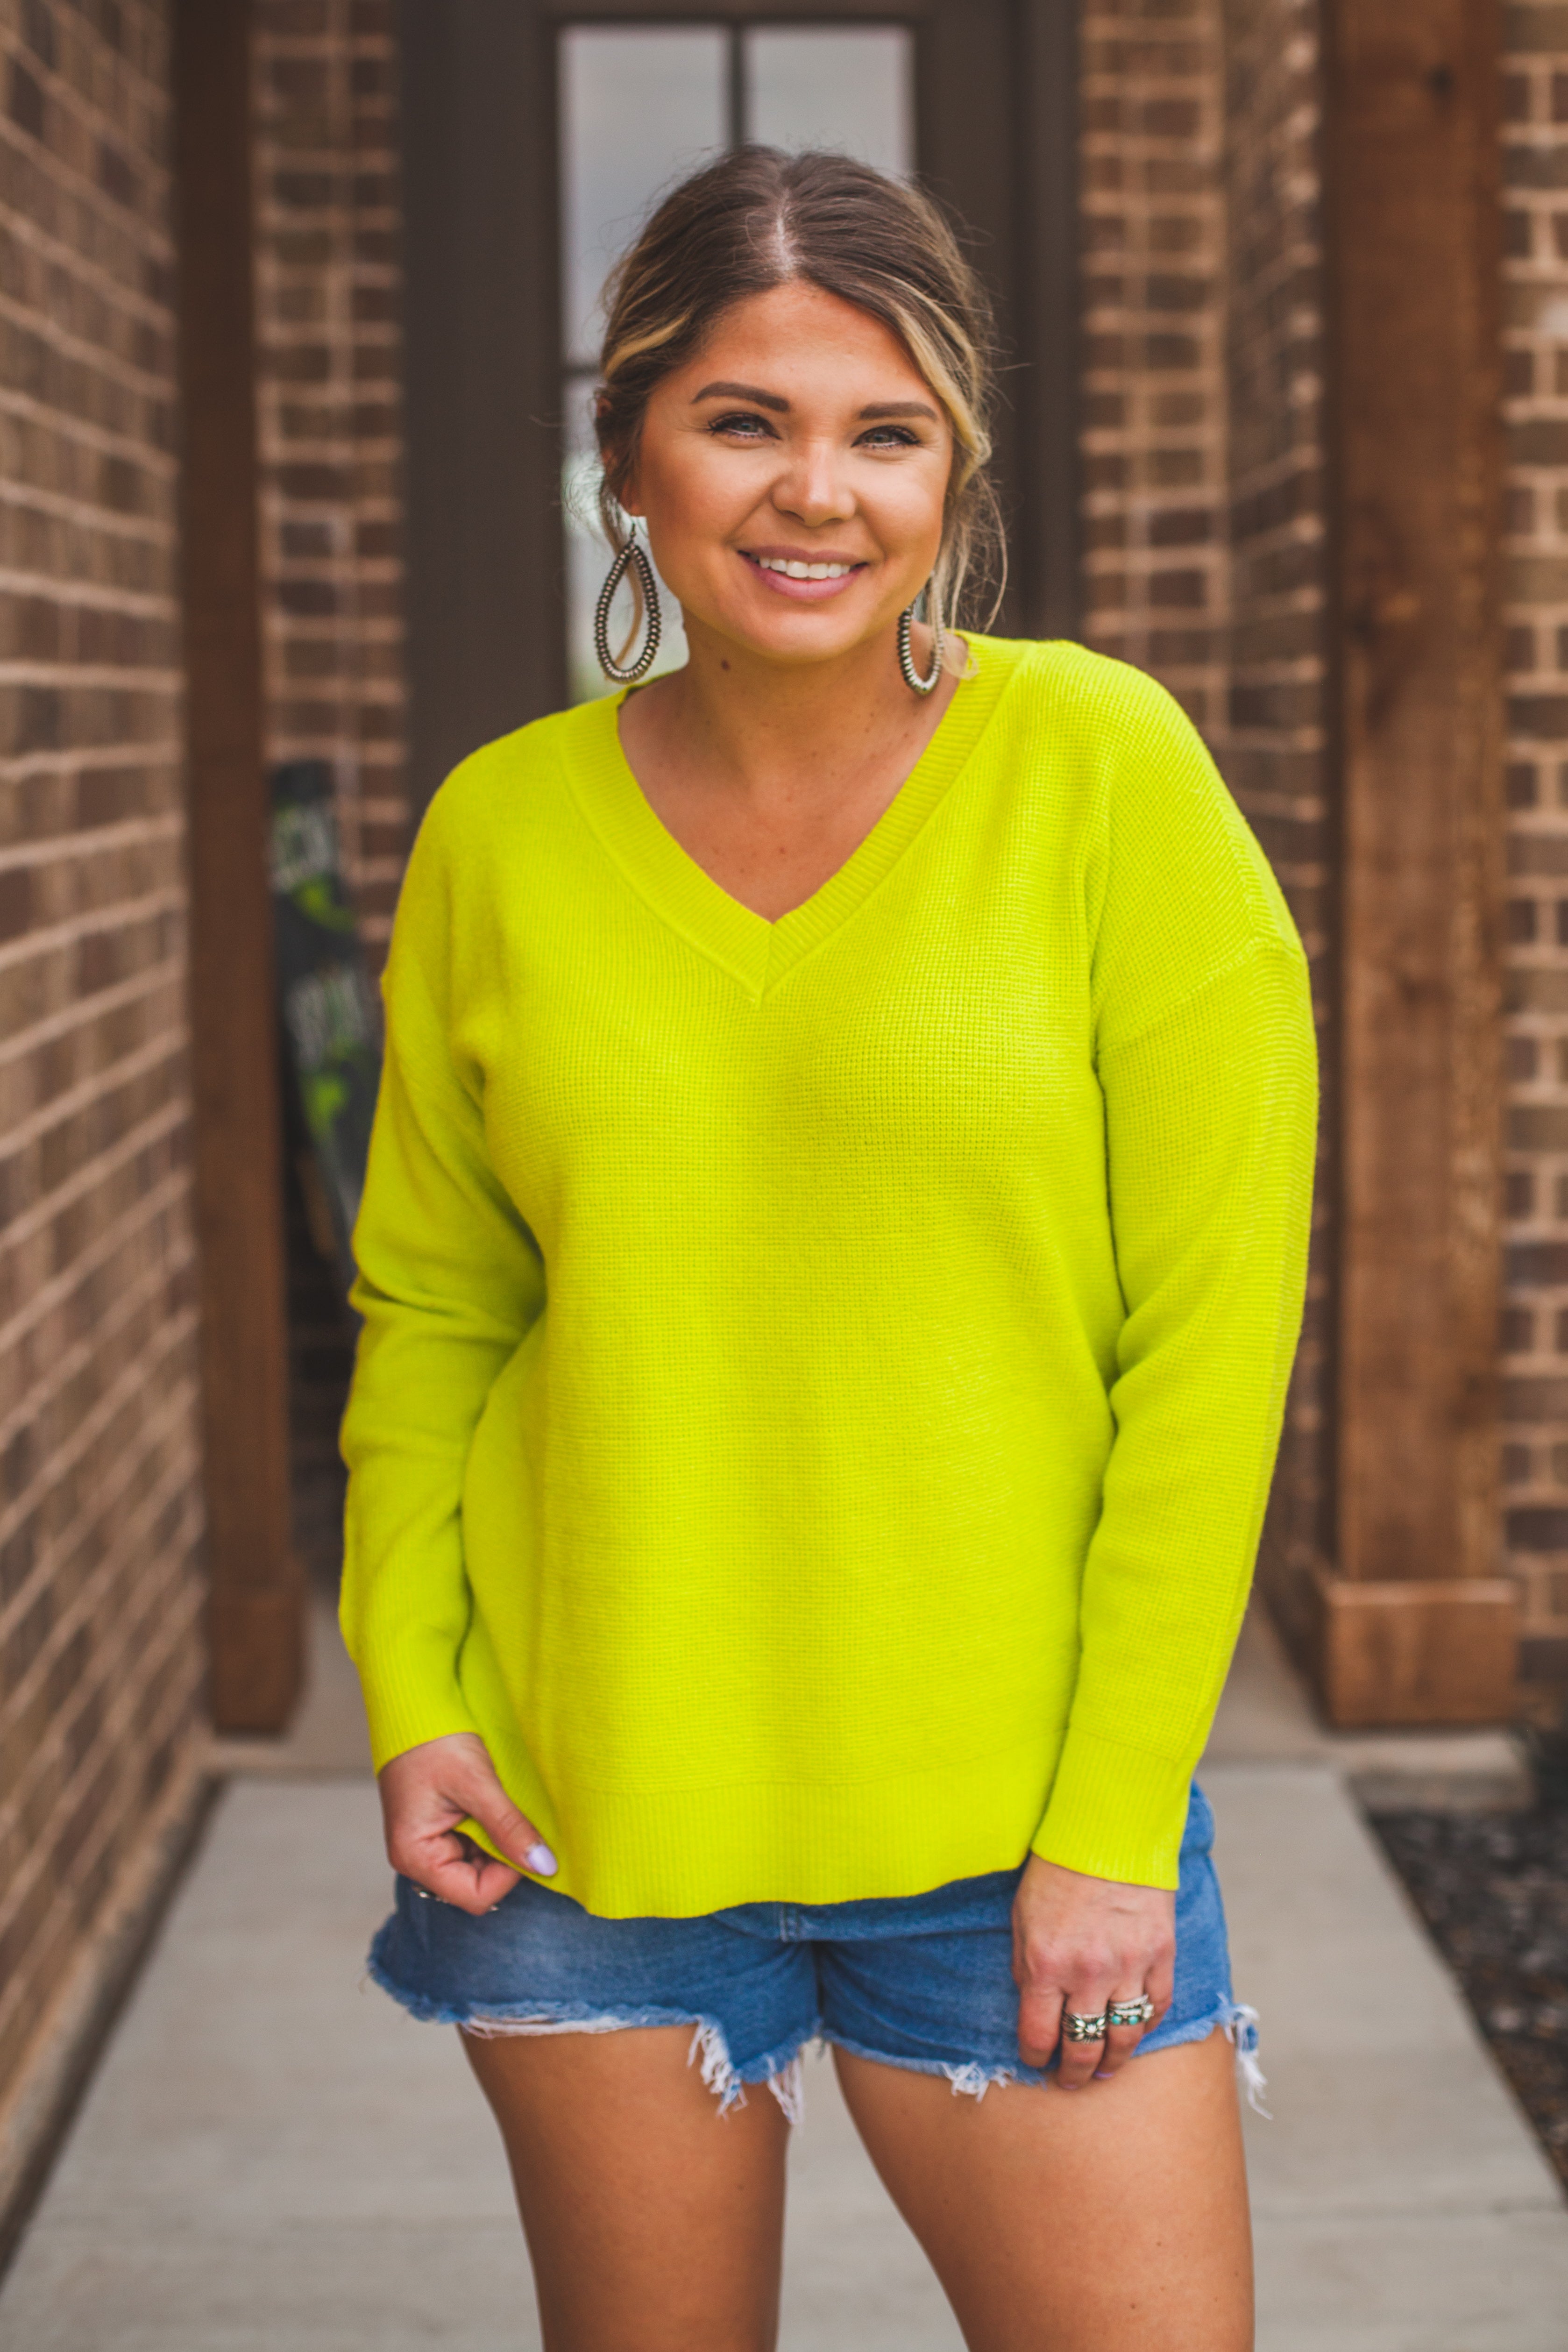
[
  {"x": 449, "y": 1283},
  {"x": 1204, "y": 1111},
  {"x": 1206, "y": 1052}
]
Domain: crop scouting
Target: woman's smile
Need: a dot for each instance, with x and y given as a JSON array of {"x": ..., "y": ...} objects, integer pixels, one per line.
[{"x": 798, "y": 573}]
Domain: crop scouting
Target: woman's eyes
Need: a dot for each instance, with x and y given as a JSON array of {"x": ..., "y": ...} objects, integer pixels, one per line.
[
  {"x": 745, "y": 425},
  {"x": 748, "y": 426}
]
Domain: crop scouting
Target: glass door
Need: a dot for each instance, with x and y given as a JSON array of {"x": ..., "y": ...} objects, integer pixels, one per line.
[{"x": 641, "y": 105}]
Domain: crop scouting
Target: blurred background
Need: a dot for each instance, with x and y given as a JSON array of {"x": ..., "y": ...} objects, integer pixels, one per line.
[{"x": 299, "y": 304}]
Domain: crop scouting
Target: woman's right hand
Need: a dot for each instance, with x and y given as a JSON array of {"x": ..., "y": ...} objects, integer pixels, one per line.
[{"x": 425, "y": 1793}]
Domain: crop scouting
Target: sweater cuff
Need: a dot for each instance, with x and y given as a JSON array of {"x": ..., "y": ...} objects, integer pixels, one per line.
[
  {"x": 418, "y": 1700},
  {"x": 1115, "y": 1812}
]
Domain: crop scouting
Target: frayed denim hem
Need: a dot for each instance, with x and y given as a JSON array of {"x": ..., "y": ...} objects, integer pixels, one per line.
[
  {"x": 1238, "y": 2020},
  {"x": 1241, "y": 2030},
  {"x": 970, "y": 2079},
  {"x": 779, "y": 2069}
]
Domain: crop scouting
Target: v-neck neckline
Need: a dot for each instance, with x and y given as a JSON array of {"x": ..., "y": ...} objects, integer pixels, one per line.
[{"x": 752, "y": 950}]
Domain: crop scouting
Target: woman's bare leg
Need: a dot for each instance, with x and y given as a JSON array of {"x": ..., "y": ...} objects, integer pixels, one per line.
[
  {"x": 655, "y": 2223},
  {"x": 1109, "y": 2218}
]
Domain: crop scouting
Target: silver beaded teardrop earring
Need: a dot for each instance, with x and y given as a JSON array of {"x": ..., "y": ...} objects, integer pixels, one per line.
[
  {"x": 912, "y": 677},
  {"x": 629, "y": 558}
]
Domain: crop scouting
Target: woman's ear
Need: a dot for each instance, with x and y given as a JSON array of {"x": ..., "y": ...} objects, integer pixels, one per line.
[
  {"x": 622, "y": 479},
  {"x": 623, "y": 483},
  {"x": 626, "y": 491}
]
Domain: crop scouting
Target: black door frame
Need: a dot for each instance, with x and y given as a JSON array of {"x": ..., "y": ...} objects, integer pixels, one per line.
[{"x": 996, "y": 132}]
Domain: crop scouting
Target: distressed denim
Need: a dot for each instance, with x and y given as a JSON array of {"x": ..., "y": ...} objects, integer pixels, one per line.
[{"x": 920, "y": 1980}]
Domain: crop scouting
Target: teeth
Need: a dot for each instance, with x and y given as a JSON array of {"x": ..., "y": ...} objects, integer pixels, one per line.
[{"x": 794, "y": 569}]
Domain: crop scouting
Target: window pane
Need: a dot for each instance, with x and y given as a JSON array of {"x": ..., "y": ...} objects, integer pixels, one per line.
[
  {"x": 588, "y": 559},
  {"x": 842, "y": 87},
  {"x": 636, "y": 108}
]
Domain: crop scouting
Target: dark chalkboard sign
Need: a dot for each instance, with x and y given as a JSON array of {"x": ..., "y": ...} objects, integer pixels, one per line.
[{"x": 331, "y": 1010}]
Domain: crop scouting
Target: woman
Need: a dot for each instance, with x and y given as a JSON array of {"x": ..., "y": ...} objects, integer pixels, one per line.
[{"x": 831, "y": 1261}]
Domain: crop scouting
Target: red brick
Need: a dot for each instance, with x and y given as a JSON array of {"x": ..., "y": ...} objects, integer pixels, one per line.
[{"x": 96, "y": 1240}]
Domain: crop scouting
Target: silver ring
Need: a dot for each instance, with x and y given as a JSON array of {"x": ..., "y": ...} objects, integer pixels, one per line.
[
  {"x": 1075, "y": 2028},
  {"x": 1131, "y": 2013}
]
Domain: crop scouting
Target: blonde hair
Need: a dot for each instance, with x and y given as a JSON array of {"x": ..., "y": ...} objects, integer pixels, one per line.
[{"x": 759, "y": 218}]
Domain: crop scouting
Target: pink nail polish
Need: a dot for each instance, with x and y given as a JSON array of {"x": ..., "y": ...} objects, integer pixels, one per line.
[{"x": 539, "y": 1858}]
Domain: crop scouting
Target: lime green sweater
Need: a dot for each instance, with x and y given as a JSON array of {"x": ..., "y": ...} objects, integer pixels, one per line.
[{"x": 820, "y": 1380}]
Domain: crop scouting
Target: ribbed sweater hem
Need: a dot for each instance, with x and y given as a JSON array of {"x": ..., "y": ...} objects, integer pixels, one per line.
[{"x": 682, "y": 1853}]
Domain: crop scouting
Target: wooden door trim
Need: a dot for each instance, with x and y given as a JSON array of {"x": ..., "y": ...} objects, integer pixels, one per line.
[
  {"x": 1048, "y": 306},
  {"x": 256, "y": 1593},
  {"x": 1411, "y": 157},
  {"x": 484, "y": 594}
]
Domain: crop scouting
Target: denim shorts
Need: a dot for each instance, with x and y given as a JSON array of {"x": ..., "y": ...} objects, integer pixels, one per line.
[{"x": 922, "y": 1981}]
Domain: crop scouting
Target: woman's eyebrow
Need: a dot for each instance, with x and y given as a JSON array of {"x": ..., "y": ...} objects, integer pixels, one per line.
[
  {"x": 743, "y": 392},
  {"x": 880, "y": 410}
]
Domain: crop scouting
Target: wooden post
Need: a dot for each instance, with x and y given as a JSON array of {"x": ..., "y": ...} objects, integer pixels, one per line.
[
  {"x": 257, "y": 1598},
  {"x": 1415, "y": 1623}
]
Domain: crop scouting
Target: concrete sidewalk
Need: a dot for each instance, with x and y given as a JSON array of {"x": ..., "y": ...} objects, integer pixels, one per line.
[{"x": 274, "y": 2159}]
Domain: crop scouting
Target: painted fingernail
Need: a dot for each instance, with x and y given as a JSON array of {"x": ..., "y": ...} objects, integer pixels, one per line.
[{"x": 540, "y": 1859}]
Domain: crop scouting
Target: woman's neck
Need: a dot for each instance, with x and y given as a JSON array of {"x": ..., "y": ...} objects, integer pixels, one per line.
[
  {"x": 767, "y": 735},
  {"x": 770, "y": 778}
]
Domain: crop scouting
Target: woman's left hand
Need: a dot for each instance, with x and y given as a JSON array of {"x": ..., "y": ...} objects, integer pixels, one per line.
[{"x": 1079, "y": 1944}]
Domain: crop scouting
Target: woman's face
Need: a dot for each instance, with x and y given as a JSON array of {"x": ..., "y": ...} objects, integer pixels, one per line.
[{"x": 801, "y": 434}]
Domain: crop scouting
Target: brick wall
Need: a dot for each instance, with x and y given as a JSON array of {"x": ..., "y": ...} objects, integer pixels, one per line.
[
  {"x": 327, "y": 291},
  {"x": 327, "y": 241},
  {"x": 1203, "y": 466},
  {"x": 1274, "y": 747},
  {"x": 100, "y": 1586},
  {"x": 1535, "y": 1316},
  {"x": 1153, "y": 206},
  {"x": 1276, "y": 757}
]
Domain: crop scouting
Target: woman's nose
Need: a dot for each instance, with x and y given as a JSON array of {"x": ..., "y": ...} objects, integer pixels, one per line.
[{"x": 813, "y": 489}]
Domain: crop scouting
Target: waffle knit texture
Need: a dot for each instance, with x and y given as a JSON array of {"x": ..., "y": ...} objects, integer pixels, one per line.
[{"x": 820, "y": 1380}]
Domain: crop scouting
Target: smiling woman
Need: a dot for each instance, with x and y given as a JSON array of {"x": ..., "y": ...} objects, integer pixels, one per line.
[
  {"x": 901, "y": 269},
  {"x": 796, "y": 503},
  {"x": 642, "y": 104},
  {"x": 831, "y": 1259}
]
